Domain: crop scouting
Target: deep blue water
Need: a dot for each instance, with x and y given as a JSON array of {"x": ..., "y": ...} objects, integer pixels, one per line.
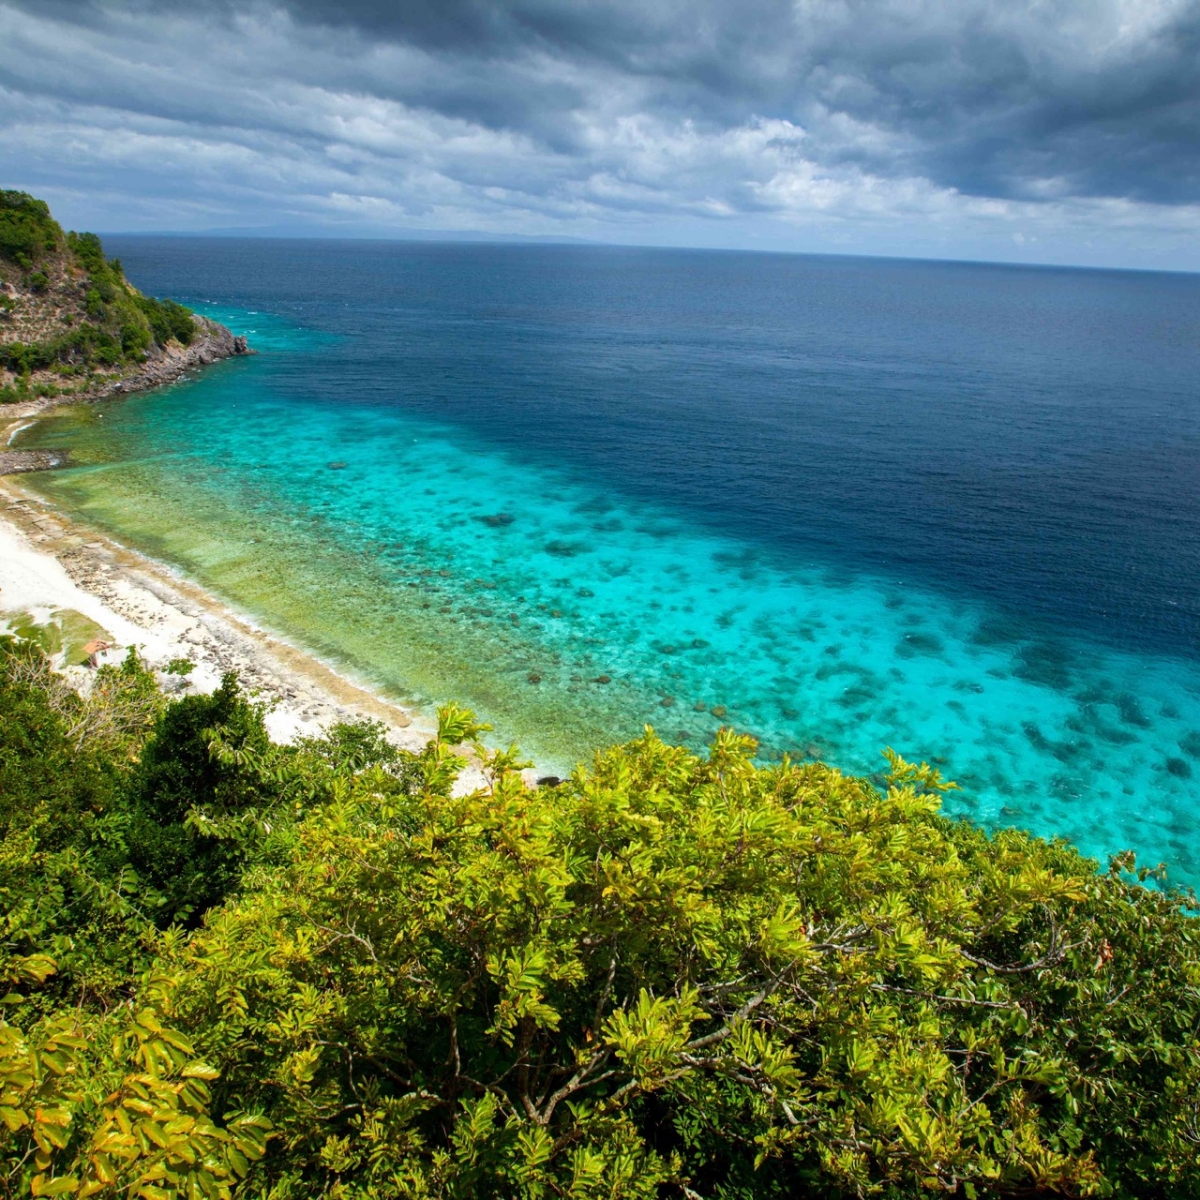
[{"x": 946, "y": 507}]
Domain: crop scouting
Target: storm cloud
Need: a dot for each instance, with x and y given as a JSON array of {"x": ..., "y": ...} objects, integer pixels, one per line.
[{"x": 1064, "y": 130}]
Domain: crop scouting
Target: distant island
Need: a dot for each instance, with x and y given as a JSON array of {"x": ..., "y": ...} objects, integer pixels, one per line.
[{"x": 72, "y": 325}]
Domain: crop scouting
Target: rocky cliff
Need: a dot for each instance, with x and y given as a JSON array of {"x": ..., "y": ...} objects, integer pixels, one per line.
[{"x": 72, "y": 325}]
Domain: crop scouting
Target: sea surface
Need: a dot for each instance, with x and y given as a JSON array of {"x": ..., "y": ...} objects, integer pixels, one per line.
[{"x": 841, "y": 504}]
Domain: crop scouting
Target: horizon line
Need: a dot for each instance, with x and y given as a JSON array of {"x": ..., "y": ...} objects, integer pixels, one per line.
[{"x": 470, "y": 237}]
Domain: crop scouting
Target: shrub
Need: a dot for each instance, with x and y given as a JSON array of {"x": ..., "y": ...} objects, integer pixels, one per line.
[
  {"x": 27, "y": 231},
  {"x": 168, "y": 320},
  {"x": 671, "y": 975},
  {"x": 135, "y": 340},
  {"x": 694, "y": 976}
]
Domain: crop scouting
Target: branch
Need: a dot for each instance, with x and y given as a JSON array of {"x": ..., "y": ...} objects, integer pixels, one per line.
[
  {"x": 576, "y": 1083},
  {"x": 338, "y": 935},
  {"x": 742, "y": 1013},
  {"x": 607, "y": 991},
  {"x": 884, "y": 987},
  {"x": 1053, "y": 956}
]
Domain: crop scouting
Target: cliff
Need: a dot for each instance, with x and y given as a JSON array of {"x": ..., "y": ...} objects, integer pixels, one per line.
[{"x": 72, "y": 325}]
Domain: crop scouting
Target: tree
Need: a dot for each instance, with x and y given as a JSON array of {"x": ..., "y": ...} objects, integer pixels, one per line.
[
  {"x": 672, "y": 975},
  {"x": 677, "y": 975}
]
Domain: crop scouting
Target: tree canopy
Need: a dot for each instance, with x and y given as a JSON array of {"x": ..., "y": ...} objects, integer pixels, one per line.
[
  {"x": 27, "y": 230},
  {"x": 242, "y": 969}
]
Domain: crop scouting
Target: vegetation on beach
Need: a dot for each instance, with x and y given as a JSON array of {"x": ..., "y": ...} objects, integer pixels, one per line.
[
  {"x": 239, "y": 968},
  {"x": 74, "y": 309}
]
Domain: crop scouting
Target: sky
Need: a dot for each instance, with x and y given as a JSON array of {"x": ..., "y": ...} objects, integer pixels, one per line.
[{"x": 1055, "y": 131}]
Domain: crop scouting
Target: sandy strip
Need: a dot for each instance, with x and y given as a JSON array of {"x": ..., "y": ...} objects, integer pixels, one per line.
[{"x": 49, "y": 562}]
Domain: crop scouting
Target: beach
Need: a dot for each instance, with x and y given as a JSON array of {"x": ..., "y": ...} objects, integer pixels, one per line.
[{"x": 51, "y": 564}]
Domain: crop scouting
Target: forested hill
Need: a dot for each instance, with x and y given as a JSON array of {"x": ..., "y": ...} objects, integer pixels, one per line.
[{"x": 71, "y": 323}]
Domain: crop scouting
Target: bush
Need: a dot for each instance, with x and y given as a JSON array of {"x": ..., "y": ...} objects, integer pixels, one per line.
[
  {"x": 27, "y": 231},
  {"x": 671, "y": 975},
  {"x": 676, "y": 975},
  {"x": 135, "y": 340},
  {"x": 191, "y": 864},
  {"x": 71, "y": 930},
  {"x": 43, "y": 768},
  {"x": 168, "y": 320}
]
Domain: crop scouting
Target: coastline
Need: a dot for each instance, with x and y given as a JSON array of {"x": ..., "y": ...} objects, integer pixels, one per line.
[
  {"x": 51, "y": 562},
  {"x": 212, "y": 343}
]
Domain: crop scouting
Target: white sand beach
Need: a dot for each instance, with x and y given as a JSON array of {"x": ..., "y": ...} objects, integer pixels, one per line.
[
  {"x": 48, "y": 565},
  {"x": 52, "y": 568}
]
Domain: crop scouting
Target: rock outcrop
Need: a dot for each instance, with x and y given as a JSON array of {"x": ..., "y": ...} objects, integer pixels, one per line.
[{"x": 212, "y": 343}]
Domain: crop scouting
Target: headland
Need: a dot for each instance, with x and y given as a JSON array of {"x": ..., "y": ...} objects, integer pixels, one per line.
[{"x": 73, "y": 327}]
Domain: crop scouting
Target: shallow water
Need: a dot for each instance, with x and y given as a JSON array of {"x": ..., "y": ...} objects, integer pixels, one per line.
[{"x": 840, "y": 505}]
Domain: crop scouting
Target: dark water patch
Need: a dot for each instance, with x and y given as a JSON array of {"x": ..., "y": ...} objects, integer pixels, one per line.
[
  {"x": 1179, "y": 767},
  {"x": 559, "y": 548},
  {"x": 1063, "y": 751},
  {"x": 912, "y": 644},
  {"x": 999, "y": 630},
  {"x": 856, "y": 695},
  {"x": 1130, "y": 709},
  {"x": 1090, "y": 723},
  {"x": 1046, "y": 663},
  {"x": 1190, "y": 743}
]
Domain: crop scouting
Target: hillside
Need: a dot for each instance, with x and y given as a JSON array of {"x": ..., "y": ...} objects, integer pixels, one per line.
[{"x": 71, "y": 324}]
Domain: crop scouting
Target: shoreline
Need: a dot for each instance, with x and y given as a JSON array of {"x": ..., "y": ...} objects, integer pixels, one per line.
[
  {"x": 50, "y": 561},
  {"x": 212, "y": 343}
]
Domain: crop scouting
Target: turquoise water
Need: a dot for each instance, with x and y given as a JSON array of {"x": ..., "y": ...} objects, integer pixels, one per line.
[{"x": 570, "y": 605}]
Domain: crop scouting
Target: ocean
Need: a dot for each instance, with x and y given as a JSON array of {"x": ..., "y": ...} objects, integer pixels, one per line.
[{"x": 842, "y": 504}]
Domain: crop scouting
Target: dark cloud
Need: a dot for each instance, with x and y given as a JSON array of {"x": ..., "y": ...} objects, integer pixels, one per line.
[
  {"x": 811, "y": 109},
  {"x": 992, "y": 97},
  {"x": 995, "y": 98}
]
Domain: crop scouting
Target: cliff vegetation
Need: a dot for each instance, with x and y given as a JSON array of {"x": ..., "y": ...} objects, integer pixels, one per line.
[
  {"x": 235, "y": 968},
  {"x": 69, "y": 319}
]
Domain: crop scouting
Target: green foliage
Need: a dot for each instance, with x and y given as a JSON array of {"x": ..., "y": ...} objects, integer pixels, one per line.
[
  {"x": 142, "y": 320},
  {"x": 27, "y": 231},
  {"x": 672, "y": 975},
  {"x": 85, "y": 345},
  {"x": 168, "y": 320},
  {"x": 680, "y": 973},
  {"x": 67, "y": 894},
  {"x": 131, "y": 1119},
  {"x": 206, "y": 775},
  {"x": 122, "y": 325}
]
